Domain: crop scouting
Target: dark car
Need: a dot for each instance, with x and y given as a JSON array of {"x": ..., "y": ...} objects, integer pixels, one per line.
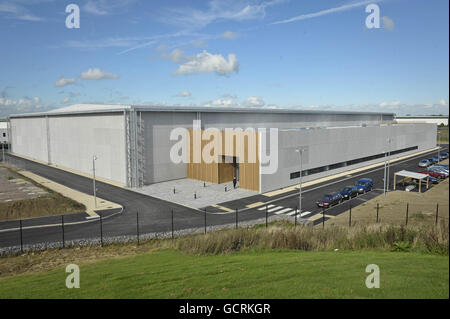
[
  {"x": 330, "y": 200},
  {"x": 349, "y": 192},
  {"x": 364, "y": 185}
]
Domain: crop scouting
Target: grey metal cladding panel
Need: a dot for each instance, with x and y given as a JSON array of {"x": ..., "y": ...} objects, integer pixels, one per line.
[
  {"x": 158, "y": 125},
  {"x": 330, "y": 146}
]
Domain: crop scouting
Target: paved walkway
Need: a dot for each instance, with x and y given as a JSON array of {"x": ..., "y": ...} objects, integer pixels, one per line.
[{"x": 195, "y": 194}]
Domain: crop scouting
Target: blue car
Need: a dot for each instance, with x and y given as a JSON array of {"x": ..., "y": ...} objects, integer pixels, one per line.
[
  {"x": 364, "y": 185},
  {"x": 349, "y": 192}
]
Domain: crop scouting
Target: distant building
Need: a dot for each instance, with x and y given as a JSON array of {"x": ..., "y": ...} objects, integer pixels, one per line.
[
  {"x": 4, "y": 137},
  {"x": 423, "y": 119}
]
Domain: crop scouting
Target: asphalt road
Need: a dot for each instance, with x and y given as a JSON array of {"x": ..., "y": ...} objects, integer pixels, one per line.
[{"x": 155, "y": 215}]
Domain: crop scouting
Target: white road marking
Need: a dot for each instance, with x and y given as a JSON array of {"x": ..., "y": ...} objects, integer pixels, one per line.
[
  {"x": 284, "y": 211},
  {"x": 274, "y": 209},
  {"x": 264, "y": 207}
]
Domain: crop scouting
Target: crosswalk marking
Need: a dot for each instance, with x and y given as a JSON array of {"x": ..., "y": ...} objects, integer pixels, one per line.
[
  {"x": 304, "y": 214},
  {"x": 274, "y": 209},
  {"x": 268, "y": 206},
  {"x": 284, "y": 211}
]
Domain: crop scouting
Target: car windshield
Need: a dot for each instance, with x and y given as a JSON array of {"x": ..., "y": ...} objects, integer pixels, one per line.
[
  {"x": 327, "y": 197},
  {"x": 347, "y": 189},
  {"x": 361, "y": 183}
]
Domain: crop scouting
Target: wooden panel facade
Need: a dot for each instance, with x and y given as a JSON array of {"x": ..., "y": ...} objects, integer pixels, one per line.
[{"x": 241, "y": 145}]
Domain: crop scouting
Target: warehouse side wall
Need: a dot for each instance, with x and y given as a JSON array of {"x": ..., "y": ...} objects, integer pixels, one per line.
[
  {"x": 72, "y": 141},
  {"x": 331, "y": 150}
]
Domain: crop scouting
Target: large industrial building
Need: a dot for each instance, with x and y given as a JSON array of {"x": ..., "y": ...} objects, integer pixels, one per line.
[{"x": 133, "y": 144}]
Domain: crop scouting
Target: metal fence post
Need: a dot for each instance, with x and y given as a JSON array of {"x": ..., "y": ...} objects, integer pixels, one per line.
[
  {"x": 350, "y": 216},
  {"x": 101, "y": 230},
  {"x": 236, "y": 218},
  {"x": 295, "y": 217},
  {"x": 437, "y": 213},
  {"x": 407, "y": 211},
  {"x": 323, "y": 217},
  {"x": 172, "y": 224},
  {"x": 205, "y": 220},
  {"x": 21, "y": 237},
  {"x": 137, "y": 227},
  {"x": 266, "y": 216},
  {"x": 62, "y": 229},
  {"x": 378, "y": 207}
]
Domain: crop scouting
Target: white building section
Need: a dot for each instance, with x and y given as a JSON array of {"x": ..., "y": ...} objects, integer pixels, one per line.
[{"x": 439, "y": 120}]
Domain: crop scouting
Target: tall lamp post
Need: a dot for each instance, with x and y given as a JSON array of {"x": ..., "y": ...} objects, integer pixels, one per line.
[
  {"x": 300, "y": 151},
  {"x": 93, "y": 174}
]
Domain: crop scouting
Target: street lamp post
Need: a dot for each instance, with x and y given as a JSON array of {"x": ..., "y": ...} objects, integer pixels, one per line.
[
  {"x": 300, "y": 151},
  {"x": 93, "y": 173}
]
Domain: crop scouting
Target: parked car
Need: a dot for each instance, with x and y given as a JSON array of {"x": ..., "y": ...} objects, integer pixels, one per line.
[
  {"x": 437, "y": 175},
  {"x": 444, "y": 166},
  {"x": 432, "y": 160},
  {"x": 349, "y": 192},
  {"x": 445, "y": 155},
  {"x": 436, "y": 170},
  {"x": 435, "y": 159},
  {"x": 424, "y": 163},
  {"x": 364, "y": 185},
  {"x": 329, "y": 200},
  {"x": 433, "y": 180},
  {"x": 442, "y": 157}
]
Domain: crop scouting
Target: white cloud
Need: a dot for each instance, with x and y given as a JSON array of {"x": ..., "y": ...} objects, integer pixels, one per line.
[
  {"x": 177, "y": 56},
  {"x": 17, "y": 11},
  {"x": 63, "y": 81},
  {"x": 229, "y": 35},
  {"x": 222, "y": 102},
  {"x": 388, "y": 23},
  {"x": 65, "y": 100},
  {"x": 23, "y": 105},
  {"x": 390, "y": 104},
  {"x": 254, "y": 101},
  {"x": 206, "y": 62},
  {"x": 235, "y": 10},
  {"x": 97, "y": 74},
  {"x": 106, "y": 7},
  {"x": 443, "y": 102},
  {"x": 327, "y": 11},
  {"x": 185, "y": 93}
]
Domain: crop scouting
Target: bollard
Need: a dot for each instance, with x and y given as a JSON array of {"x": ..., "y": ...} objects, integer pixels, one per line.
[
  {"x": 225, "y": 189},
  {"x": 62, "y": 229},
  {"x": 195, "y": 195},
  {"x": 174, "y": 190},
  {"x": 204, "y": 184}
]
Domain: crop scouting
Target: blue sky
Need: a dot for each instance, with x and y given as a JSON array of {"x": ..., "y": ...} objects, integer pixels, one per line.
[{"x": 229, "y": 53}]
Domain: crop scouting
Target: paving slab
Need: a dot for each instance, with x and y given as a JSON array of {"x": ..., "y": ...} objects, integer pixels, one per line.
[{"x": 195, "y": 194}]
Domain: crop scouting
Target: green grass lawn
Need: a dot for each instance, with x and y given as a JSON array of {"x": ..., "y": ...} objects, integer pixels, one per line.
[{"x": 248, "y": 274}]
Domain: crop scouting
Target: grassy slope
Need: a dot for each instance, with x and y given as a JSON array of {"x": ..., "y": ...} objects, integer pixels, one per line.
[{"x": 249, "y": 274}]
